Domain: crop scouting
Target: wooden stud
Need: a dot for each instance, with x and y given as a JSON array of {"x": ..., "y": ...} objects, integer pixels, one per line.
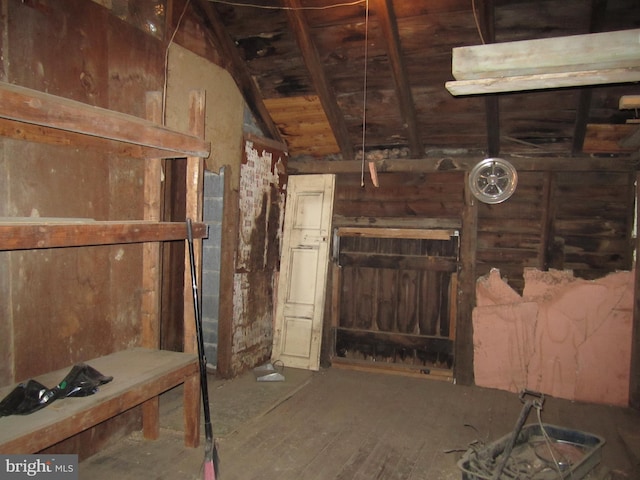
[{"x": 194, "y": 209}]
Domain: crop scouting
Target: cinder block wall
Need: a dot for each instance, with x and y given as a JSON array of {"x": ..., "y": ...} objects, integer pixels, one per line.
[{"x": 213, "y": 202}]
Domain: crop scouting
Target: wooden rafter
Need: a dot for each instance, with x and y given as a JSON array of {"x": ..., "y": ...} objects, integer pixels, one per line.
[
  {"x": 300, "y": 28},
  {"x": 238, "y": 69},
  {"x": 389, "y": 25},
  {"x": 492, "y": 103}
]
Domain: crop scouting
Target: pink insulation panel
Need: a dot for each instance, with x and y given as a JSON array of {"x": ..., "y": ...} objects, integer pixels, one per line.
[{"x": 566, "y": 337}]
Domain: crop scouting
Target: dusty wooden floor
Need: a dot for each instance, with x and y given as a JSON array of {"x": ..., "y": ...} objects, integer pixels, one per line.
[{"x": 341, "y": 424}]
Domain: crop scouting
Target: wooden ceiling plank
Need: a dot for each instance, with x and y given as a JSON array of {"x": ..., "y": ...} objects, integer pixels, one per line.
[
  {"x": 610, "y": 138},
  {"x": 312, "y": 60},
  {"x": 632, "y": 141},
  {"x": 238, "y": 70},
  {"x": 389, "y": 26}
]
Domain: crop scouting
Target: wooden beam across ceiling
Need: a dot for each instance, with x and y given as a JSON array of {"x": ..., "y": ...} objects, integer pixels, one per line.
[
  {"x": 389, "y": 26},
  {"x": 571, "y": 61},
  {"x": 300, "y": 28},
  {"x": 462, "y": 163}
]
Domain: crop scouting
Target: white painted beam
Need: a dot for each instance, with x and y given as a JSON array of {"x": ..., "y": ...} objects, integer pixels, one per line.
[{"x": 577, "y": 60}]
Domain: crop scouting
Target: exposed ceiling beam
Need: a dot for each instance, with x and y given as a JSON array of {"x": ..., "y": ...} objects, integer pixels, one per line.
[
  {"x": 596, "y": 23},
  {"x": 462, "y": 163},
  {"x": 492, "y": 103},
  {"x": 629, "y": 102},
  {"x": 238, "y": 69},
  {"x": 389, "y": 26},
  {"x": 571, "y": 61},
  {"x": 300, "y": 28}
]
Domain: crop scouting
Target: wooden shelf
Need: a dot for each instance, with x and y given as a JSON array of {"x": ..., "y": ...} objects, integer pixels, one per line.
[
  {"x": 34, "y": 116},
  {"x": 57, "y": 117},
  {"x": 138, "y": 375},
  {"x": 27, "y": 234}
]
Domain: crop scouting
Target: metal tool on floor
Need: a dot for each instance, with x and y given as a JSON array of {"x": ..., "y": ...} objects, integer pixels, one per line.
[
  {"x": 529, "y": 403},
  {"x": 270, "y": 372},
  {"x": 534, "y": 452},
  {"x": 211, "y": 459}
]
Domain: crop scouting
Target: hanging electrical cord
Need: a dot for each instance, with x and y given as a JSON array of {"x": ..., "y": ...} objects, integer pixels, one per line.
[
  {"x": 364, "y": 89},
  {"x": 269, "y": 7},
  {"x": 166, "y": 64},
  {"x": 475, "y": 17}
]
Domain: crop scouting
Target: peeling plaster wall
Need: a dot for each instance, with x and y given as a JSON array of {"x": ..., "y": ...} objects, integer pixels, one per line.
[
  {"x": 261, "y": 207},
  {"x": 566, "y": 337}
]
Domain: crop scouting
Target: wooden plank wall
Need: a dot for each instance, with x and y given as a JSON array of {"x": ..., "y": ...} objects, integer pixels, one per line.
[
  {"x": 397, "y": 299},
  {"x": 580, "y": 221},
  {"x": 564, "y": 220},
  {"x": 408, "y": 196},
  {"x": 396, "y": 292}
]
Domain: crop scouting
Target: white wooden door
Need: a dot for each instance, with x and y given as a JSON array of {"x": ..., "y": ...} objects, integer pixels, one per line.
[{"x": 303, "y": 271}]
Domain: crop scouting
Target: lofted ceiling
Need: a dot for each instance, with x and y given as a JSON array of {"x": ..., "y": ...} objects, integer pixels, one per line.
[{"x": 328, "y": 77}]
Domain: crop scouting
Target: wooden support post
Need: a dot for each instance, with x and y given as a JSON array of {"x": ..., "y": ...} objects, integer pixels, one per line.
[
  {"x": 545, "y": 246},
  {"x": 463, "y": 359},
  {"x": 191, "y": 411},
  {"x": 151, "y": 268},
  {"x": 230, "y": 218},
  {"x": 194, "y": 208},
  {"x": 151, "y": 250}
]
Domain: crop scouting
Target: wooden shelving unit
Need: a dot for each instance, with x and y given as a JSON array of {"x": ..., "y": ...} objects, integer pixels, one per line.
[
  {"x": 26, "y": 235},
  {"x": 34, "y": 116}
]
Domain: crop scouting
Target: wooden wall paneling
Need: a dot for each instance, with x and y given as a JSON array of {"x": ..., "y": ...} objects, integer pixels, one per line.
[
  {"x": 592, "y": 219},
  {"x": 430, "y": 302},
  {"x": 407, "y": 305},
  {"x": 386, "y": 280},
  {"x": 363, "y": 298}
]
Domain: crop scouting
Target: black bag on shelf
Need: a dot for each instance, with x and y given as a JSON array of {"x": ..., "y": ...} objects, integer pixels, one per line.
[{"x": 28, "y": 397}]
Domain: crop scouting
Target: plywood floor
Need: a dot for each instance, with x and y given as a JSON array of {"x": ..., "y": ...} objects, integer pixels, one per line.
[{"x": 343, "y": 424}]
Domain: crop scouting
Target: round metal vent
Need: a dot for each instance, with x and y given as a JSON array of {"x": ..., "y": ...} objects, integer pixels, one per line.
[{"x": 493, "y": 180}]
